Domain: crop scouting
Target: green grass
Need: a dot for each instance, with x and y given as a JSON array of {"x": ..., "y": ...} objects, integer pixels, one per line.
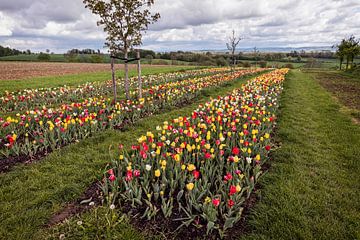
[
  {"x": 32, "y": 58},
  {"x": 29, "y": 195},
  {"x": 76, "y": 79},
  {"x": 313, "y": 187}
]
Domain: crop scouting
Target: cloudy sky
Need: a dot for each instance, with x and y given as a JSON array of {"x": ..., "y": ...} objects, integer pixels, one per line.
[{"x": 60, "y": 25}]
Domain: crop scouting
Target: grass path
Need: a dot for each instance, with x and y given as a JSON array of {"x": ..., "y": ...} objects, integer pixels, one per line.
[
  {"x": 313, "y": 188},
  {"x": 29, "y": 195}
]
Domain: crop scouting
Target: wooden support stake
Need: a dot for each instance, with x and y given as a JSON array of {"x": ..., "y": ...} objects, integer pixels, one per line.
[
  {"x": 113, "y": 79},
  {"x": 139, "y": 73}
]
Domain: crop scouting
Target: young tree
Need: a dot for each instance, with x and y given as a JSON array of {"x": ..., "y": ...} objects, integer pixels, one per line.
[
  {"x": 123, "y": 21},
  {"x": 348, "y": 48},
  {"x": 231, "y": 46},
  {"x": 352, "y": 50},
  {"x": 256, "y": 54}
]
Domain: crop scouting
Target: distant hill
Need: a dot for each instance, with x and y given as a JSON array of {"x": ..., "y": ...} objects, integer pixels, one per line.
[{"x": 275, "y": 49}]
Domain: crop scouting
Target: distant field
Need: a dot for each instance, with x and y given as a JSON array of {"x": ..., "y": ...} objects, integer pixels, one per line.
[
  {"x": 25, "y": 75},
  {"x": 86, "y": 58},
  {"x": 26, "y": 70}
]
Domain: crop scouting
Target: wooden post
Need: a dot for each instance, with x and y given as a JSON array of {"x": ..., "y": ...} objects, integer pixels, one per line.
[
  {"x": 113, "y": 79},
  {"x": 126, "y": 76},
  {"x": 139, "y": 73}
]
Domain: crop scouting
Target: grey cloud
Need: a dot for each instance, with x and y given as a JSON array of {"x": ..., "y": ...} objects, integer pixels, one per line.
[
  {"x": 185, "y": 24},
  {"x": 14, "y": 5}
]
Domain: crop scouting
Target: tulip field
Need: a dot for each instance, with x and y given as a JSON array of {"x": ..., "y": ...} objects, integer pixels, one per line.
[
  {"x": 202, "y": 167},
  {"x": 205, "y": 154},
  {"x": 43, "y": 128}
]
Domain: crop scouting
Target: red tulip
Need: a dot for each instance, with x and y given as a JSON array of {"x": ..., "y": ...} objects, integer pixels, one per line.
[
  {"x": 216, "y": 202},
  {"x": 136, "y": 173},
  {"x": 235, "y": 151},
  {"x": 228, "y": 177},
  {"x": 267, "y": 147},
  {"x": 112, "y": 178},
  {"x": 232, "y": 190},
  {"x": 196, "y": 174},
  {"x": 129, "y": 175},
  {"x": 110, "y": 171},
  {"x": 231, "y": 203},
  {"x": 207, "y": 155}
]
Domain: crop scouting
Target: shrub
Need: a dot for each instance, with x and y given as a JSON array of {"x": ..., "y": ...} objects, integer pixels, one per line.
[
  {"x": 246, "y": 64},
  {"x": 43, "y": 57},
  {"x": 288, "y": 65},
  {"x": 97, "y": 58},
  {"x": 262, "y": 64},
  {"x": 221, "y": 62}
]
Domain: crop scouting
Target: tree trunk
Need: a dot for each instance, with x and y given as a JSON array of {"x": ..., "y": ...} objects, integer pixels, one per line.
[
  {"x": 341, "y": 60},
  {"x": 113, "y": 79},
  {"x": 347, "y": 63},
  {"x": 139, "y": 73},
  {"x": 126, "y": 75}
]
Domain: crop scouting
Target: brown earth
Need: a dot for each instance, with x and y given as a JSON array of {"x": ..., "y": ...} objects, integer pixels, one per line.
[
  {"x": 345, "y": 88},
  {"x": 26, "y": 70}
]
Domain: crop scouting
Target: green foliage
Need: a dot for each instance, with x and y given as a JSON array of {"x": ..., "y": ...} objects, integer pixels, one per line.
[
  {"x": 289, "y": 65},
  {"x": 221, "y": 62},
  {"x": 97, "y": 58},
  {"x": 6, "y": 51},
  {"x": 246, "y": 64},
  {"x": 348, "y": 49},
  {"x": 43, "y": 57},
  {"x": 123, "y": 21},
  {"x": 262, "y": 64}
]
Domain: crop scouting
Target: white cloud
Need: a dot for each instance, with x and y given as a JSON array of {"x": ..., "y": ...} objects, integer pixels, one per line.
[{"x": 184, "y": 24}]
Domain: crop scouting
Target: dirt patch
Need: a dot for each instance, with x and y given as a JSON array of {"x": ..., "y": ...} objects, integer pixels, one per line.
[
  {"x": 26, "y": 70},
  {"x": 92, "y": 195},
  {"x": 345, "y": 89},
  {"x": 6, "y": 164}
]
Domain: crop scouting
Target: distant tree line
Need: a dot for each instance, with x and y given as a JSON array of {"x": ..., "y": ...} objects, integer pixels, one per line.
[{"x": 6, "y": 51}]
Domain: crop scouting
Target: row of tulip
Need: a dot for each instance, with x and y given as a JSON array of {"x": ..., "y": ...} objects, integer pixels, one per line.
[
  {"x": 203, "y": 167},
  {"x": 31, "y": 98},
  {"x": 50, "y": 128}
]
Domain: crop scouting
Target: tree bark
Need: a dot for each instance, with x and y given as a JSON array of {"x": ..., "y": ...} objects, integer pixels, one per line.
[
  {"x": 341, "y": 60},
  {"x": 126, "y": 76},
  {"x": 139, "y": 73},
  {"x": 113, "y": 79}
]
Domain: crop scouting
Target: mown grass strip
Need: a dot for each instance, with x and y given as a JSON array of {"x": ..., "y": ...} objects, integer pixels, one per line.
[
  {"x": 29, "y": 195},
  {"x": 312, "y": 190}
]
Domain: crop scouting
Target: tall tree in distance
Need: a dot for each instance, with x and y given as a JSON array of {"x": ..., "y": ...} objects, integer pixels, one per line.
[
  {"x": 231, "y": 46},
  {"x": 340, "y": 52},
  {"x": 348, "y": 48},
  {"x": 123, "y": 21},
  {"x": 352, "y": 50},
  {"x": 256, "y": 54}
]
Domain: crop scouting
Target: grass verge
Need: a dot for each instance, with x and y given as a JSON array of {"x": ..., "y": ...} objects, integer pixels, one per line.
[{"x": 313, "y": 187}]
